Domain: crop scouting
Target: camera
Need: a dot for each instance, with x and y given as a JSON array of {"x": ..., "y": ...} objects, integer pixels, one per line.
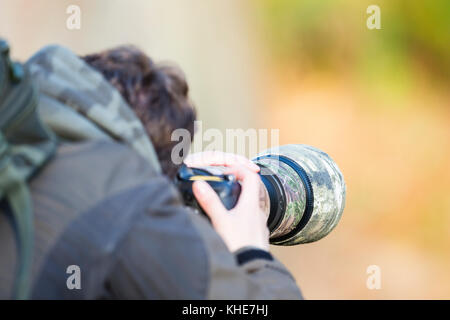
[{"x": 304, "y": 188}]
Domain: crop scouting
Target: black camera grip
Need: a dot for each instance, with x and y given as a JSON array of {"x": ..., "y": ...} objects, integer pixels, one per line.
[{"x": 226, "y": 187}]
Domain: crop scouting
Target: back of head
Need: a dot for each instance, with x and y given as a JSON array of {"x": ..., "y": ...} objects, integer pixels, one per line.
[{"x": 158, "y": 94}]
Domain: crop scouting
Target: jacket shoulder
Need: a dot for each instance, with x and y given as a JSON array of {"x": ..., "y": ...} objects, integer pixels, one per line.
[{"x": 80, "y": 176}]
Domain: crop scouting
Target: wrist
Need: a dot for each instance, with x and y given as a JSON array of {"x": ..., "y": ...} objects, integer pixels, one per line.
[{"x": 238, "y": 247}]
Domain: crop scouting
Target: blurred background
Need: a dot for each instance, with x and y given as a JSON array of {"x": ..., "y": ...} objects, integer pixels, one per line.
[{"x": 377, "y": 101}]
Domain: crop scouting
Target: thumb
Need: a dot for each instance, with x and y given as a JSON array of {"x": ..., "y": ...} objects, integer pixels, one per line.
[{"x": 208, "y": 200}]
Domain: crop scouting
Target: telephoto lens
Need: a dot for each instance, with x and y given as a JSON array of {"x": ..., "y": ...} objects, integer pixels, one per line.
[
  {"x": 302, "y": 193},
  {"x": 306, "y": 192}
]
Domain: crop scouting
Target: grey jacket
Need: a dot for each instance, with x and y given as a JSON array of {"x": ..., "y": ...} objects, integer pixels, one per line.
[{"x": 103, "y": 206}]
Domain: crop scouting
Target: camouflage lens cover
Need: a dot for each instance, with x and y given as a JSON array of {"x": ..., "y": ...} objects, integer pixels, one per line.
[{"x": 328, "y": 188}]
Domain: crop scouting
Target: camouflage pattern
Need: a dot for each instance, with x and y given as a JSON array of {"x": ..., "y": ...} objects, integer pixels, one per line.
[
  {"x": 328, "y": 186},
  {"x": 77, "y": 103}
]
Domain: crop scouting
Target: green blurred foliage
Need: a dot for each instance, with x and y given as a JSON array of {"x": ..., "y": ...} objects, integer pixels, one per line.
[
  {"x": 390, "y": 87},
  {"x": 332, "y": 36}
]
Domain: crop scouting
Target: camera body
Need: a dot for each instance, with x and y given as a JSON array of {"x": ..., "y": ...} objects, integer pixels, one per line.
[{"x": 226, "y": 186}]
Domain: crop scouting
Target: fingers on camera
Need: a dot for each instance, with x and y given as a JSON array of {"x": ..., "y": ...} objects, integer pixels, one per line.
[
  {"x": 249, "y": 182},
  {"x": 208, "y": 199}
]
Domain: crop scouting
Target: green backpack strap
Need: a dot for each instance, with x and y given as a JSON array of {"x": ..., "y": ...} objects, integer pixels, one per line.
[
  {"x": 26, "y": 144},
  {"x": 14, "y": 189}
]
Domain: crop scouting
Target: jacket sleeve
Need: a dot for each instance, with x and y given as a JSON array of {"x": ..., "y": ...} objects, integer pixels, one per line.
[
  {"x": 170, "y": 252},
  {"x": 249, "y": 273}
]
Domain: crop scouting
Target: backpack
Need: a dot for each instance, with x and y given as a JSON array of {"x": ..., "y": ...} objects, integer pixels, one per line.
[{"x": 26, "y": 145}]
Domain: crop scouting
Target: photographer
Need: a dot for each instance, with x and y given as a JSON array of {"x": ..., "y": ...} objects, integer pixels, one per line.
[{"x": 105, "y": 203}]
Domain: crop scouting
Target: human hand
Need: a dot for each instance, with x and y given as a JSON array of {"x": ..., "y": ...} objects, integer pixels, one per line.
[{"x": 245, "y": 224}]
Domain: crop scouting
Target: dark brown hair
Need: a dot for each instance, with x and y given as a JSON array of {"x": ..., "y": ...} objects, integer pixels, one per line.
[{"x": 158, "y": 94}]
